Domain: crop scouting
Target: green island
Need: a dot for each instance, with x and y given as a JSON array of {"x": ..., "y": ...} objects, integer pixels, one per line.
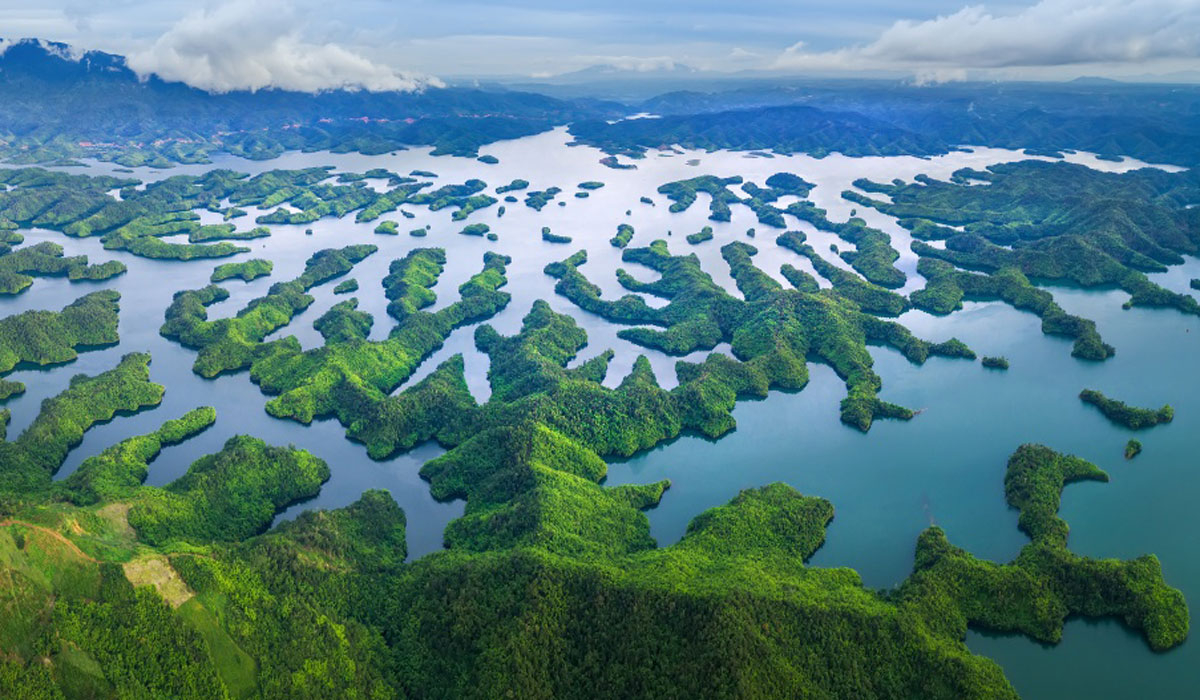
[
  {"x": 17, "y": 267},
  {"x": 538, "y": 199},
  {"x": 245, "y": 271},
  {"x": 346, "y": 286},
  {"x": 1121, "y": 413},
  {"x": 388, "y": 227},
  {"x": 475, "y": 230},
  {"x": 54, "y": 337},
  {"x": 591, "y": 185},
  {"x": 623, "y": 237},
  {"x": 231, "y": 344},
  {"x": 550, "y": 237},
  {"x": 773, "y": 331},
  {"x": 995, "y": 362},
  {"x": 704, "y": 234},
  {"x": 1133, "y": 448},
  {"x": 1037, "y": 221},
  {"x": 514, "y": 186}
]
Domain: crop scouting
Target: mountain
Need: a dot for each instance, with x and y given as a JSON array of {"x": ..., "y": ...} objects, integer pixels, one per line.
[{"x": 58, "y": 102}]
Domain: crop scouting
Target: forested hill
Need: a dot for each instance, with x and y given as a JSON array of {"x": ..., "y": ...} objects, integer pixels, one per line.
[
  {"x": 58, "y": 105},
  {"x": 1156, "y": 123}
]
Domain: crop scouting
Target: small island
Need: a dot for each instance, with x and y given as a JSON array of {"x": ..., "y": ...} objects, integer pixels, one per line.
[
  {"x": 346, "y": 286},
  {"x": 1121, "y": 413},
  {"x": 704, "y": 234},
  {"x": 553, "y": 237},
  {"x": 995, "y": 362},
  {"x": 389, "y": 228},
  {"x": 475, "y": 230},
  {"x": 1133, "y": 448},
  {"x": 245, "y": 271}
]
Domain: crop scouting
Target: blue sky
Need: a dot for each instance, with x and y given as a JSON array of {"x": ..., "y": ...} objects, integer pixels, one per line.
[{"x": 226, "y": 44}]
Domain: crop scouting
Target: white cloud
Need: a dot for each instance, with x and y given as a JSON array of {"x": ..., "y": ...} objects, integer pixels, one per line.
[
  {"x": 1049, "y": 33},
  {"x": 256, "y": 44}
]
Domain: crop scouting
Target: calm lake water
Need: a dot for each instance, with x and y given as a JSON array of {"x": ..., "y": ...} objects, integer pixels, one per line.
[{"x": 946, "y": 466}]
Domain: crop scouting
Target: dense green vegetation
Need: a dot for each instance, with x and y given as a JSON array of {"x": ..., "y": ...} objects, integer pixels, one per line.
[
  {"x": 537, "y": 199},
  {"x": 1121, "y": 413},
  {"x": 245, "y": 271},
  {"x": 1133, "y": 448},
  {"x": 873, "y": 256},
  {"x": 554, "y": 237},
  {"x": 227, "y": 496},
  {"x": 390, "y": 228},
  {"x": 704, "y": 234},
  {"x": 475, "y": 230},
  {"x": 17, "y": 267},
  {"x": 995, "y": 362},
  {"x": 52, "y": 337},
  {"x": 514, "y": 186},
  {"x": 1046, "y": 582},
  {"x": 773, "y": 332},
  {"x": 35, "y": 455},
  {"x": 871, "y": 297},
  {"x": 623, "y": 237},
  {"x": 231, "y": 344},
  {"x": 947, "y": 287},
  {"x": 346, "y": 287},
  {"x": 1047, "y": 222}
]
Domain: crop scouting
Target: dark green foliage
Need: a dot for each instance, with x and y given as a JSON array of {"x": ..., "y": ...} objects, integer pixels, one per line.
[
  {"x": 475, "y": 230},
  {"x": 27, "y": 463},
  {"x": 116, "y": 472},
  {"x": 346, "y": 287},
  {"x": 682, "y": 194},
  {"x": 1195, "y": 283},
  {"x": 46, "y": 259},
  {"x": 488, "y": 159},
  {"x": 50, "y": 337},
  {"x": 995, "y": 362},
  {"x": 354, "y": 379},
  {"x": 947, "y": 287},
  {"x": 245, "y": 271},
  {"x": 773, "y": 332},
  {"x": 704, "y": 234},
  {"x": 226, "y": 232},
  {"x": 514, "y": 186},
  {"x": 591, "y": 185},
  {"x": 227, "y": 496},
  {"x": 1121, "y": 413},
  {"x": 623, "y": 237},
  {"x": 1051, "y": 222},
  {"x": 537, "y": 199},
  {"x": 344, "y": 322},
  {"x": 1046, "y": 583},
  {"x": 1133, "y": 448},
  {"x": 390, "y": 228},
  {"x": 231, "y": 344},
  {"x": 555, "y": 238},
  {"x": 873, "y": 256},
  {"x": 871, "y": 297}
]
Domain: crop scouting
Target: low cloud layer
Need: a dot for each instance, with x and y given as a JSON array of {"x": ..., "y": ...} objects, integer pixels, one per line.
[
  {"x": 1050, "y": 33},
  {"x": 258, "y": 44}
]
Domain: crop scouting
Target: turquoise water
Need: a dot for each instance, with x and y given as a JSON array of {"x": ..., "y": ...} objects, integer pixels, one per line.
[{"x": 946, "y": 466}]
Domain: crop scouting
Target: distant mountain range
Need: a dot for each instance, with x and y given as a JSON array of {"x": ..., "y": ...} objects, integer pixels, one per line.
[{"x": 59, "y": 103}]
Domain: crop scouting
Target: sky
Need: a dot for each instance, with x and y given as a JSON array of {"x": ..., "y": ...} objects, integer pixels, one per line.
[{"x": 225, "y": 45}]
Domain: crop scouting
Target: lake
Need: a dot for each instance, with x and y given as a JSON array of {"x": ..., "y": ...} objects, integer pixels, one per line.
[{"x": 946, "y": 466}]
